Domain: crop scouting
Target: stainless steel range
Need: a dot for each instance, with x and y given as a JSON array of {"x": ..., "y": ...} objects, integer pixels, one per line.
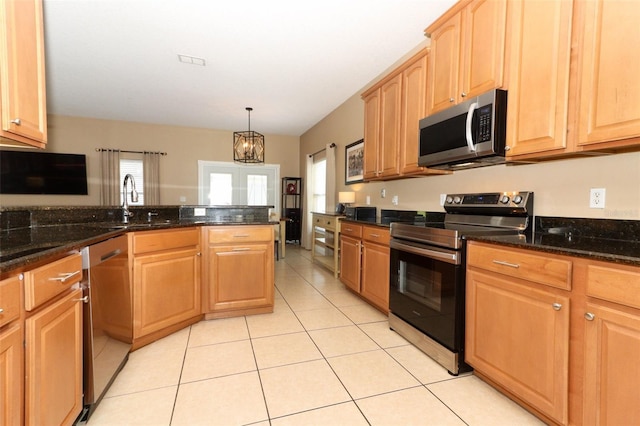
[{"x": 427, "y": 278}]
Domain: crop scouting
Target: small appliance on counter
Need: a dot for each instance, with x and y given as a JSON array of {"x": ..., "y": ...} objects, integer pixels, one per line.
[{"x": 366, "y": 213}]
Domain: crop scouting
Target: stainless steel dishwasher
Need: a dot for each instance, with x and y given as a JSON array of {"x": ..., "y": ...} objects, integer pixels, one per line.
[{"x": 108, "y": 322}]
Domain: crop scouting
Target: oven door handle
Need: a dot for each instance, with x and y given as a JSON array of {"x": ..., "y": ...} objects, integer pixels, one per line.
[{"x": 421, "y": 250}]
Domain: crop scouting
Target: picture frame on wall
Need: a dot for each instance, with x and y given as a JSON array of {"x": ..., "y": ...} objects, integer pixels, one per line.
[{"x": 354, "y": 162}]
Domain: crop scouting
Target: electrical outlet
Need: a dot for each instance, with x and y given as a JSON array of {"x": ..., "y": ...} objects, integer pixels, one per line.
[
  {"x": 383, "y": 193},
  {"x": 394, "y": 200},
  {"x": 597, "y": 198},
  {"x": 199, "y": 211},
  {"x": 368, "y": 200}
]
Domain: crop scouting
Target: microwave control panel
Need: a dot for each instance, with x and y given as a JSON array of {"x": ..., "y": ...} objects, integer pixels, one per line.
[{"x": 484, "y": 123}]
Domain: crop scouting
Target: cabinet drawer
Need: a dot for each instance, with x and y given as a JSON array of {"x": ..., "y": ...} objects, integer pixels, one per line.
[
  {"x": 547, "y": 270},
  {"x": 328, "y": 222},
  {"x": 239, "y": 234},
  {"x": 9, "y": 299},
  {"x": 615, "y": 284},
  {"x": 46, "y": 282},
  {"x": 378, "y": 235},
  {"x": 148, "y": 241},
  {"x": 350, "y": 229}
]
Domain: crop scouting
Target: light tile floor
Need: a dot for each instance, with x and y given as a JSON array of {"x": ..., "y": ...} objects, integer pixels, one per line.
[{"x": 324, "y": 357}]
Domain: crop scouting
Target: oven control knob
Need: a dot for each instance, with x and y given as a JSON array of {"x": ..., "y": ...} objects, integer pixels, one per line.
[
  {"x": 517, "y": 199},
  {"x": 505, "y": 199},
  {"x": 449, "y": 199},
  {"x": 457, "y": 200}
]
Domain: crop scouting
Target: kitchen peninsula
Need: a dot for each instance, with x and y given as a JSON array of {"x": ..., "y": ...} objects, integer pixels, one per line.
[{"x": 184, "y": 264}]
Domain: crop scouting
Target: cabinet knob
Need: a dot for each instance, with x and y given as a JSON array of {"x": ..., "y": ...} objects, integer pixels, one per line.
[
  {"x": 464, "y": 95},
  {"x": 589, "y": 316},
  {"x": 1, "y": 310},
  {"x": 557, "y": 306},
  {"x": 451, "y": 100},
  {"x": 17, "y": 122}
]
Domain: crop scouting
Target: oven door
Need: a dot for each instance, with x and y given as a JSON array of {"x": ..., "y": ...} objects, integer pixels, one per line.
[{"x": 427, "y": 290}]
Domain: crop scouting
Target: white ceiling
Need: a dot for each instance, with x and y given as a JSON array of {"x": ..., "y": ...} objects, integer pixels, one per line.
[{"x": 292, "y": 61}]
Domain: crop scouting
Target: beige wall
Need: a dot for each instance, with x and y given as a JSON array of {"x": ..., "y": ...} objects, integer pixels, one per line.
[
  {"x": 561, "y": 187},
  {"x": 179, "y": 169}
]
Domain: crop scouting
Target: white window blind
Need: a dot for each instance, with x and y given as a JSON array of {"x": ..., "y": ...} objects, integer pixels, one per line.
[{"x": 134, "y": 168}]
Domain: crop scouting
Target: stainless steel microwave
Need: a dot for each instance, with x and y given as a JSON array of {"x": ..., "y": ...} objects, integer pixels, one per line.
[{"x": 470, "y": 134}]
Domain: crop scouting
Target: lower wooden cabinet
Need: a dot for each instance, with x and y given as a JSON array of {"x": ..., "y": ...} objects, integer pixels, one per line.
[
  {"x": 518, "y": 336},
  {"x": 53, "y": 362},
  {"x": 166, "y": 282},
  {"x": 11, "y": 374},
  {"x": 239, "y": 270},
  {"x": 364, "y": 262}
]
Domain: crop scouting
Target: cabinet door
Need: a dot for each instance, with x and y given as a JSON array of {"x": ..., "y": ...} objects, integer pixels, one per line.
[
  {"x": 442, "y": 87},
  {"x": 375, "y": 274},
  {"x": 540, "y": 40},
  {"x": 11, "y": 375},
  {"x": 54, "y": 362},
  {"x": 483, "y": 24},
  {"x": 240, "y": 276},
  {"x": 609, "y": 98},
  {"x": 518, "y": 336},
  {"x": 350, "y": 262},
  {"x": 166, "y": 288},
  {"x": 414, "y": 93},
  {"x": 371, "y": 134},
  {"x": 22, "y": 76},
  {"x": 389, "y": 143},
  {"x": 611, "y": 375}
]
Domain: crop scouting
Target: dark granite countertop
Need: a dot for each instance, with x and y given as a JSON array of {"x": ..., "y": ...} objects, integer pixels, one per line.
[
  {"x": 606, "y": 240},
  {"x": 32, "y": 236}
]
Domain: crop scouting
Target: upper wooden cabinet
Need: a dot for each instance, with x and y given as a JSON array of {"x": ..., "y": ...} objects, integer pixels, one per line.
[
  {"x": 22, "y": 77},
  {"x": 382, "y": 129},
  {"x": 539, "y": 43},
  {"x": 467, "y": 52},
  {"x": 393, "y": 109},
  {"x": 608, "y": 74}
]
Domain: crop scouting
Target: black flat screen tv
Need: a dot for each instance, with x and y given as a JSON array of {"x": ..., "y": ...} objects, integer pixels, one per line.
[{"x": 29, "y": 172}]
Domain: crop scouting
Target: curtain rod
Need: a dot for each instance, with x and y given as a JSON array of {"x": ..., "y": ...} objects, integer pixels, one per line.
[
  {"x": 130, "y": 152},
  {"x": 333, "y": 145}
]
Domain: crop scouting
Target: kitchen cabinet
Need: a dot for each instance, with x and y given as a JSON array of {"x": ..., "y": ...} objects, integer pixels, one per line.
[
  {"x": 324, "y": 241},
  {"x": 467, "y": 52},
  {"x": 23, "y": 112},
  {"x": 381, "y": 152},
  {"x": 607, "y": 74},
  {"x": 364, "y": 262},
  {"x": 611, "y": 341},
  {"x": 517, "y": 324},
  {"x": 393, "y": 109},
  {"x": 166, "y": 282},
  {"x": 539, "y": 47},
  {"x": 11, "y": 351},
  {"x": 239, "y": 271},
  {"x": 53, "y": 343}
]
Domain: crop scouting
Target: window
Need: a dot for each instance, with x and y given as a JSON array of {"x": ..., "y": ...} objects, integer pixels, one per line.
[
  {"x": 319, "y": 185},
  {"x": 134, "y": 168},
  {"x": 224, "y": 184}
]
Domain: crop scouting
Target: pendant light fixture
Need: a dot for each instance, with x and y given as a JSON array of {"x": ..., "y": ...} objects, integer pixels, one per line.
[{"x": 248, "y": 146}]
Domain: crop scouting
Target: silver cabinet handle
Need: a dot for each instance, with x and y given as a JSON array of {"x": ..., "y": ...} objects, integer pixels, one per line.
[
  {"x": 557, "y": 306},
  {"x": 464, "y": 95},
  {"x": 503, "y": 263},
  {"x": 375, "y": 235},
  {"x": 589, "y": 316},
  {"x": 17, "y": 122},
  {"x": 64, "y": 276},
  {"x": 1, "y": 310},
  {"x": 241, "y": 249},
  {"x": 82, "y": 299},
  {"x": 241, "y": 236}
]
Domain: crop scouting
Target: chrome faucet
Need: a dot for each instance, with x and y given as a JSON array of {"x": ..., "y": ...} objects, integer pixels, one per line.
[{"x": 126, "y": 214}]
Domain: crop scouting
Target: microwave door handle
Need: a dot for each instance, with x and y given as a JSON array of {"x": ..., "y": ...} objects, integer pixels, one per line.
[{"x": 470, "y": 144}]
